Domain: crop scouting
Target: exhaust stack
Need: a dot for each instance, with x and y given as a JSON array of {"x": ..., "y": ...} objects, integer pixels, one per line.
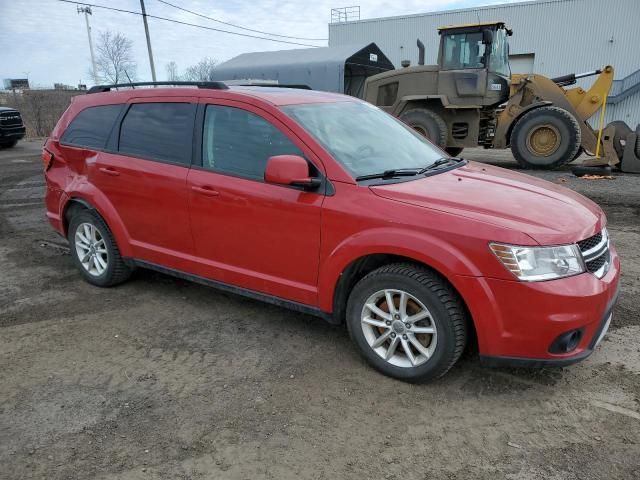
[{"x": 420, "y": 52}]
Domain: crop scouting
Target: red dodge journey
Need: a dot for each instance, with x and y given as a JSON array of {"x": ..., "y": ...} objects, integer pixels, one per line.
[{"x": 325, "y": 204}]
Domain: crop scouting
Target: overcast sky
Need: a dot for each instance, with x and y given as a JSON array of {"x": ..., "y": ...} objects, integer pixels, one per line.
[{"x": 46, "y": 40}]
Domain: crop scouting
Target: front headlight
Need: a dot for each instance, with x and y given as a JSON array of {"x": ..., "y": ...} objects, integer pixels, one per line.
[{"x": 533, "y": 264}]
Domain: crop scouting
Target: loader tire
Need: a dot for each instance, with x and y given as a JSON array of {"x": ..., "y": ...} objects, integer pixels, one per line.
[
  {"x": 427, "y": 123},
  {"x": 545, "y": 138},
  {"x": 454, "y": 151}
]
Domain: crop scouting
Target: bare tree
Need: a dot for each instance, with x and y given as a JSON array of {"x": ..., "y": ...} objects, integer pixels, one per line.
[
  {"x": 114, "y": 62},
  {"x": 40, "y": 108},
  {"x": 201, "y": 71},
  {"x": 172, "y": 71}
]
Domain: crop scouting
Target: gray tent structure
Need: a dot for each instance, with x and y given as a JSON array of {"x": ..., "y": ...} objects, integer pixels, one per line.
[{"x": 340, "y": 69}]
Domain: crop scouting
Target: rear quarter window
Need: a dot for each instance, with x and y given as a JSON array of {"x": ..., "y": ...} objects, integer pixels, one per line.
[{"x": 91, "y": 127}]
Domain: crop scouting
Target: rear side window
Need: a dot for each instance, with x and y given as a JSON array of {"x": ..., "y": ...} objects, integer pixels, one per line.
[
  {"x": 239, "y": 143},
  {"x": 158, "y": 131},
  {"x": 91, "y": 127}
]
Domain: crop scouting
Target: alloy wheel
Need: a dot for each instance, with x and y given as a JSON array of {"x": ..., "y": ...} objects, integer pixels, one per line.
[
  {"x": 399, "y": 328},
  {"x": 91, "y": 249}
]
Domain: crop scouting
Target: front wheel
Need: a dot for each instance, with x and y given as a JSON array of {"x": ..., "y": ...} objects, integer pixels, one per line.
[
  {"x": 407, "y": 322},
  {"x": 9, "y": 144},
  {"x": 546, "y": 138}
]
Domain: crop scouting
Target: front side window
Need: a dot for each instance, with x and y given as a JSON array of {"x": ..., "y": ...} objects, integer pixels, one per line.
[
  {"x": 463, "y": 50},
  {"x": 499, "y": 62},
  {"x": 239, "y": 143},
  {"x": 91, "y": 127},
  {"x": 159, "y": 131},
  {"x": 363, "y": 138}
]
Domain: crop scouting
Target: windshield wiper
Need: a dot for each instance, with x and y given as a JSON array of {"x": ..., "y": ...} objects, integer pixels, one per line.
[
  {"x": 408, "y": 172},
  {"x": 440, "y": 162},
  {"x": 398, "y": 172}
]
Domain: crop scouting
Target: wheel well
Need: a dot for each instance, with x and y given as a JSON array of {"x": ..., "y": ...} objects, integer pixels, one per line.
[
  {"x": 359, "y": 268},
  {"x": 73, "y": 206},
  {"x": 433, "y": 104}
]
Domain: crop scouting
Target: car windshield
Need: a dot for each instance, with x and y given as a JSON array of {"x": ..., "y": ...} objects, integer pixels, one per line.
[{"x": 363, "y": 138}]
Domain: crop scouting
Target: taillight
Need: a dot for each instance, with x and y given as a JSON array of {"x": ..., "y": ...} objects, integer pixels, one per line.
[{"x": 47, "y": 159}]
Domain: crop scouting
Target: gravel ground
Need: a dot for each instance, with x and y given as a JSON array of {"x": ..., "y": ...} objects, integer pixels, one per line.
[{"x": 161, "y": 378}]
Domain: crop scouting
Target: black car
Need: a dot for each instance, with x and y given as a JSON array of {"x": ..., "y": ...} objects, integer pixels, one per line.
[{"x": 11, "y": 127}]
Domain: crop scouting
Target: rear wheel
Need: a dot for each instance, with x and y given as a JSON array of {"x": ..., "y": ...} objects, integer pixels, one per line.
[
  {"x": 407, "y": 322},
  {"x": 546, "y": 137},
  {"x": 428, "y": 124},
  {"x": 638, "y": 141},
  {"x": 454, "y": 151},
  {"x": 94, "y": 251}
]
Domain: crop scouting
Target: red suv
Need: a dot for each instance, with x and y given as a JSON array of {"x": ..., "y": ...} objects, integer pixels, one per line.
[{"x": 327, "y": 205}]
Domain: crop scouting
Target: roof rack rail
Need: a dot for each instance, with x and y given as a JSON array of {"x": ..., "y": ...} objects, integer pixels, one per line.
[{"x": 107, "y": 88}]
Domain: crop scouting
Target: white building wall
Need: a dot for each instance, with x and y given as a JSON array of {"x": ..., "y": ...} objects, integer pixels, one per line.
[{"x": 565, "y": 36}]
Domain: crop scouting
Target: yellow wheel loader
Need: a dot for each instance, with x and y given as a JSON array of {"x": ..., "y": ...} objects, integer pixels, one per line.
[{"x": 470, "y": 98}]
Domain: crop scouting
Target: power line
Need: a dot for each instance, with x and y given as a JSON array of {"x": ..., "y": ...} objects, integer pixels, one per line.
[
  {"x": 188, "y": 24},
  {"x": 239, "y": 26}
]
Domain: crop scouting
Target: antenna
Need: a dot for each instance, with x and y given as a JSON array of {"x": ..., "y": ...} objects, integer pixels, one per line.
[{"x": 129, "y": 78}]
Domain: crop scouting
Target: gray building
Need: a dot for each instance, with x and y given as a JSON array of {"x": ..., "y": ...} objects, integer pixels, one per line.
[{"x": 551, "y": 37}]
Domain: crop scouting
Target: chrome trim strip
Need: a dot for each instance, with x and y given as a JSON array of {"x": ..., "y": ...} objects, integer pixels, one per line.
[{"x": 603, "y": 242}]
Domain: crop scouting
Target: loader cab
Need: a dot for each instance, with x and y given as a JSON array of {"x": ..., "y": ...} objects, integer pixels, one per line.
[{"x": 473, "y": 64}]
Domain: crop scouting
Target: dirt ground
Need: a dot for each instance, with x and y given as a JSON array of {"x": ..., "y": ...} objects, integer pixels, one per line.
[{"x": 161, "y": 378}]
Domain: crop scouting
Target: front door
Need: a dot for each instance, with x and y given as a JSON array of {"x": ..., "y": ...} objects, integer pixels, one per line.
[{"x": 249, "y": 233}]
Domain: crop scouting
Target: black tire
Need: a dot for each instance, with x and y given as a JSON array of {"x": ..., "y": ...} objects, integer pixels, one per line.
[
  {"x": 427, "y": 123},
  {"x": 578, "y": 153},
  {"x": 581, "y": 170},
  {"x": 116, "y": 270},
  {"x": 637, "y": 141},
  {"x": 448, "y": 314},
  {"x": 454, "y": 151},
  {"x": 10, "y": 144},
  {"x": 565, "y": 130}
]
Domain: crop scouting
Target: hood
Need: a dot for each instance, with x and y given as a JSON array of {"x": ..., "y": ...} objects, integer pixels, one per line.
[{"x": 548, "y": 213}]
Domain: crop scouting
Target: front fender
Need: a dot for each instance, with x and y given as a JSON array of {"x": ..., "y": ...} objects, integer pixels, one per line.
[
  {"x": 421, "y": 247},
  {"x": 90, "y": 195}
]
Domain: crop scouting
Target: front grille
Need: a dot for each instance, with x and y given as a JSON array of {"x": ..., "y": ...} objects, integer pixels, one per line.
[
  {"x": 10, "y": 119},
  {"x": 595, "y": 253},
  {"x": 590, "y": 242},
  {"x": 597, "y": 263}
]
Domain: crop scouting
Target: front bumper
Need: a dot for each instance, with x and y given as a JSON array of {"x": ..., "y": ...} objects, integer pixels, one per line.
[
  {"x": 517, "y": 322},
  {"x": 12, "y": 133}
]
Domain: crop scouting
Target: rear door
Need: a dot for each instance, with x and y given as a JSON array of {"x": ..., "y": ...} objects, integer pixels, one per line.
[
  {"x": 249, "y": 233},
  {"x": 143, "y": 174}
]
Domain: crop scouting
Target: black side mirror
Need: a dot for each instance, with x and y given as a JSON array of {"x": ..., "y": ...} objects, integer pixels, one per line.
[{"x": 487, "y": 36}]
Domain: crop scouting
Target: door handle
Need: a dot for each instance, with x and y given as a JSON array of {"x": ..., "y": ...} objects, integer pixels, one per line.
[
  {"x": 110, "y": 171},
  {"x": 208, "y": 191}
]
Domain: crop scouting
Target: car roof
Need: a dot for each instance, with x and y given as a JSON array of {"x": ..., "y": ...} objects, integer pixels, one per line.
[{"x": 275, "y": 96}]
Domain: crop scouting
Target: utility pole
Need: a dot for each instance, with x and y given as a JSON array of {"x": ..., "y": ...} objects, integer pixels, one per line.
[
  {"x": 87, "y": 12},
  {"x": 146, "y": 31}
]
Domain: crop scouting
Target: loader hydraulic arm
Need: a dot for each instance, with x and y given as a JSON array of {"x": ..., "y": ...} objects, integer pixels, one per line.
[
  {"x": 587, "y": 102},
  {"x": 572, "y": 78}
]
